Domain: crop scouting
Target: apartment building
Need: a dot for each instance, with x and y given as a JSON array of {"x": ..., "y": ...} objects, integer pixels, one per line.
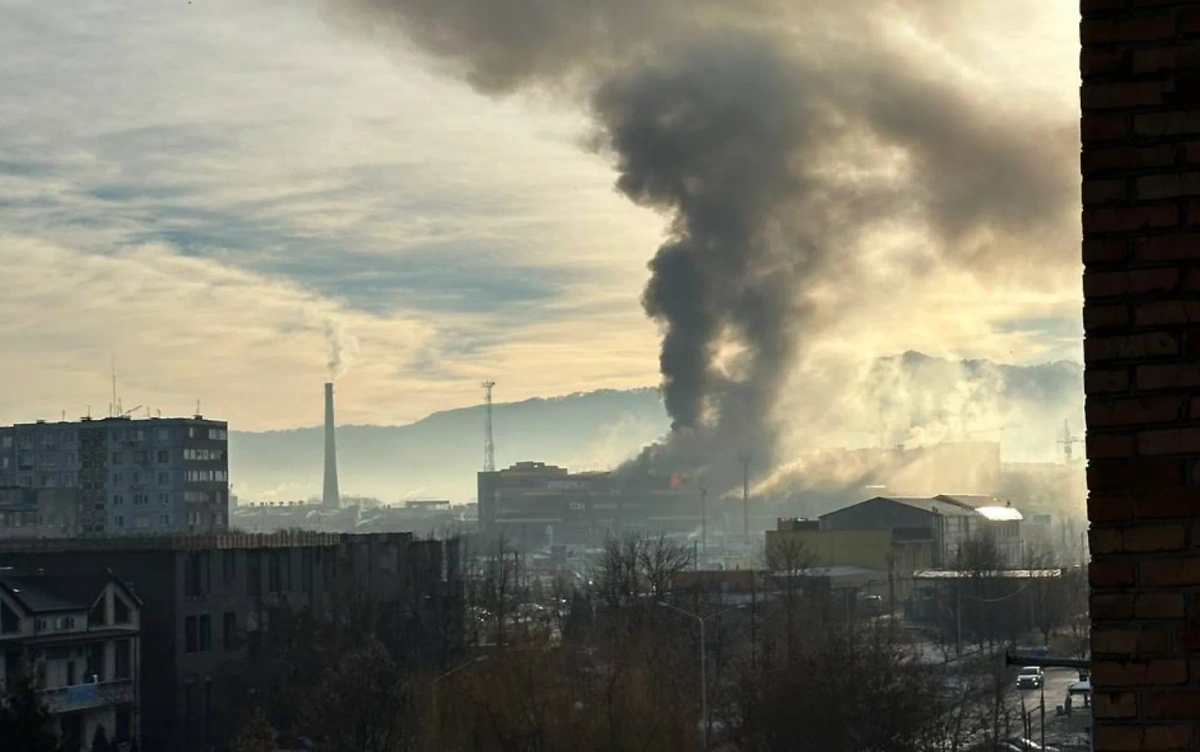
[
  {"x": 78, "y": 637},
  {"x": 208, "y": 600},
  {"x": 124, "y": 476}
]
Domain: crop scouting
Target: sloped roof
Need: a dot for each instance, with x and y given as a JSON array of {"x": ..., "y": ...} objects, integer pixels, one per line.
[
  {"x": 40, "y": 593},
  {"x": 974, "y": 501}
]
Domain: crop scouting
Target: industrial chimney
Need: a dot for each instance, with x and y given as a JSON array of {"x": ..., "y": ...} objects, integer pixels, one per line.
[{"x": 330, "y": 498}]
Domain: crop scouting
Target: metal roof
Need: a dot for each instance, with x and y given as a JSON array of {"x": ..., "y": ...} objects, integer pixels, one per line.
[
  {"x": 1000, "y": 574},
  {"x": 1001, "y": 514}
]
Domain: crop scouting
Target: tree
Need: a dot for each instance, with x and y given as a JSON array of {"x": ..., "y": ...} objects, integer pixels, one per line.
[
  {"x": 256, "y": 735},
  {"x": 25, "y": 723}
]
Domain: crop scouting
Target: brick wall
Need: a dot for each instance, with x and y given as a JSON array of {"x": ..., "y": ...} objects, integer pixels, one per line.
[{"x": 1141, "y": 250}]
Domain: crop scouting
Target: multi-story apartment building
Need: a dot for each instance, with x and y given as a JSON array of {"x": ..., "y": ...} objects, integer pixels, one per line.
[
  {"x": 130, "y": 477},
  {"x": 209, "y": 598},
  {"x": 78, "y": 639}
]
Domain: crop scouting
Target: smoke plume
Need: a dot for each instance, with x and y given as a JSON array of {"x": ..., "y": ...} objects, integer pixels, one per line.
[
  {"x": 343, "y": 346},
  {"x": 780, "y": 139}
]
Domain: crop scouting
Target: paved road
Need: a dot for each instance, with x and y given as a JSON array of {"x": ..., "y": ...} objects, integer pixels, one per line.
[{"x": 1059, "y": 729}]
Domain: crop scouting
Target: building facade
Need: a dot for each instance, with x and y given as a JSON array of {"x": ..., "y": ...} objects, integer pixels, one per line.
[
  {"x": 207, "y": 600},
  {"x": 78, "y": 639},
  {"x": 128, "y": 477}
]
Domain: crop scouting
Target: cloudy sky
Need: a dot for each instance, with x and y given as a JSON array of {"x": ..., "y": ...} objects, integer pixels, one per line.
[{"x": 223, "y": 195}]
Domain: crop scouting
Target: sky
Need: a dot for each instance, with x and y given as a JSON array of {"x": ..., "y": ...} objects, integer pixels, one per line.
[{"x": 229, "y": 199}]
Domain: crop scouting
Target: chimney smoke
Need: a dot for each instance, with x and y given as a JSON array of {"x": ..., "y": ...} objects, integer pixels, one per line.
[{"x": 330, "y": 498}]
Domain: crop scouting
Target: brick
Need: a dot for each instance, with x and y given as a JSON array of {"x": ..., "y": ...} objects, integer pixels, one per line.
[
  {"x": 1111, "y": 606},
  {"x": 1110, "y": 508},
  {"x": 1174, "y": 376},
  {"x": 1153, "y": 280},
  {"x": 1104, "y": 284},
  {"x": 1167, "y": 738},
  {"x": 1172, "y": 185},
  {"x": 1180, "y": 703},
  {"x": 1118, "y": 641},
  {"x": 1140, "y": 738},
  {"x": 1124, "y": 29},
  {"x": 1104, "y": 317},
  {"x": 1094, "y": 128},
  {"x": 1158, "y": 606},
  {"x": 1114, "y": 705},
  {"x": 1096, "y": 349},
  {"x": 1192, "y": 281},
  {"x": 1188, "y": 639},
  {"x": 1156, "y": 59},
  {"x": 1129, "y": 219},
  {"x": 1115, "y": 96},
  {"x": 1100, "y": 250},
  {"x": 1167, "y": 312},
  {"x": 1099, "y": 61},
  {"x": 1117, "y": 412},
  {"x": 1171, "y": 572},
  {"x": 1103, "y": 541},
  {"x": 1101, "y": 381},
  {"x": 1103, "y": 191},
  {"x": 1169, "y": 248},
  {"x": 1189, "y": 21},
  {"x": 1170, "y": 441},
  {"x": 1145, "y": 538},
  {"x": 1140, "y": 474},
  {"x": 1158, "y": 124},
  {"x": 1110, "y": 573},
  {"x": 1162, "y": 672},
  {"x": 1103, "y": 446},
  {"x": 1168, "y": 504},
  {"x": 1127, "y": 158}
]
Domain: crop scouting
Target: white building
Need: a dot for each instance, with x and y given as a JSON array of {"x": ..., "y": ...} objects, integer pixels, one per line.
[{"x": 79, "y": 639}]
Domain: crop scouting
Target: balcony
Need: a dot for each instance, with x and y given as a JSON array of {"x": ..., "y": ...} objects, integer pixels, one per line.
[{"x": 88, "y": 696}]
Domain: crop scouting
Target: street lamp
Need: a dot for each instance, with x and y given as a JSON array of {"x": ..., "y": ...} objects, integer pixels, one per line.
[{"x": 703, "y": 660}]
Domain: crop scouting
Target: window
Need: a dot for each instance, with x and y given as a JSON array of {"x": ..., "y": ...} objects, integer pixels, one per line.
[
  {"x": 118, "y": 458},
  {"x": 117, "y": 478},
  {"x": 5, "y": 442},
  {"x": 137, "y": 435},
  {"x": 162, "y": 435},
  {"x": 229, "y": 564},
  {"x": 120, "y": 521},
  {"x": 254, "y": 573},
  {"x": 121, "y": 611},
  {"x": 205, "y": 626},
  {"x": 191, "y": 635},
  {"x": 208, "y": 697},
  {"x": 196, "y": 574},
  {"x": 141, "y": 457},
  {"x": 124, "y": 667},
  {"x": 41, "y": 625},
  {"x": 164, "y": 456},
  {"x": 229, "y": 630},
  {"x": 71, "y": 678},
  {"x": 166, "y": 520}
]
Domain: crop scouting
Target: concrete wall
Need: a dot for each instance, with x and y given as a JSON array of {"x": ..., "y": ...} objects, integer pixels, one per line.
[{"x": 1141, "y": 250}]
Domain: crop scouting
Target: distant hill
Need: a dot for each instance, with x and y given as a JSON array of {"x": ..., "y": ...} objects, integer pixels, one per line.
[{"x": 439, "y": 455}]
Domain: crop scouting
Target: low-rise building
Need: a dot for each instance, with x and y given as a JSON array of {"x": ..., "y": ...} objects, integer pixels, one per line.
[
  {"x": 78, "y": 638},
  {"x": 207, "y": 599}
]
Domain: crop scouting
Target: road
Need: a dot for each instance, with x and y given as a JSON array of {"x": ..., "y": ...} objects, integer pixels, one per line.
[{"x": 1059, "y": 729}]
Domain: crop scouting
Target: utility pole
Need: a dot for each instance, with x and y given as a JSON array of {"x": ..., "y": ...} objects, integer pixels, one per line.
[
  {"x": 958, "y": 618},
  {"x": 704, "y": 522},
  {"x": 1043, "y": 712},
  {"x": 745, "y": 458},
  {"x": 489, "y": 444}
]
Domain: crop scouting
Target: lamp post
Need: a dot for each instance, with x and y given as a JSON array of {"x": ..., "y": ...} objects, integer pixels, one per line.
[{"x": 703, "y": 661}]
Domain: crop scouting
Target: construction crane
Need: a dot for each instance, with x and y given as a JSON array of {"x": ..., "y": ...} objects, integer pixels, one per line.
[{"x": 1067, "y": 441}]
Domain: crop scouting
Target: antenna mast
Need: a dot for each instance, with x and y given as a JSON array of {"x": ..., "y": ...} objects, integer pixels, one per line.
[{"x": 489, "y": 444}]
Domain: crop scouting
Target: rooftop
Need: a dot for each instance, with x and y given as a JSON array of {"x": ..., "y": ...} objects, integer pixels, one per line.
[{"x": 131, "y": 543}]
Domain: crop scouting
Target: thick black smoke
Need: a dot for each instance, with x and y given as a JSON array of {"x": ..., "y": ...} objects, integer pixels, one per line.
[{"x": 776, "y": 147}]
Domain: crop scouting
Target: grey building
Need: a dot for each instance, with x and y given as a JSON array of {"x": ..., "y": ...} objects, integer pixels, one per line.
[
  {"x": 208, "y": 599},
  {"x": 131, "y": 477}
]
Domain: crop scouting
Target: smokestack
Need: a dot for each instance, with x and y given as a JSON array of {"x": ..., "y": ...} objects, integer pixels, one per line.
[{"x": 330, "y": 498}]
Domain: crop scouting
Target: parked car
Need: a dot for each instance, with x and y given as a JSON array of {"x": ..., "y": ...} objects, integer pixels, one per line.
[{"x": 1031, "y": 677}]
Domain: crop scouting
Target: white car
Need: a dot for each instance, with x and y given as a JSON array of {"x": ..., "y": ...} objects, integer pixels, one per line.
[{"x": 1031, "y": 677}]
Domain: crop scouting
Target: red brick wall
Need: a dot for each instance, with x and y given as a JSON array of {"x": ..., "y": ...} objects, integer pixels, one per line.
[{"x": 1141, "y": 250}]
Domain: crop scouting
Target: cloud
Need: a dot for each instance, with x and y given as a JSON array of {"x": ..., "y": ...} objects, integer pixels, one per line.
[{"x": 200, "y": 188}]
